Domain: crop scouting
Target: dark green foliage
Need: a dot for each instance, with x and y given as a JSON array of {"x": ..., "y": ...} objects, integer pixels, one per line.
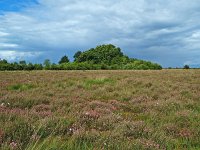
[
  {"x": 38, "y": 66},
  {"x": 142, "y": 65},
  {"x": 3, "y": 61},
  {"x": 23, "y": 62},
  {"x": 76, "y": 55},
  {"x": 100, "y": 54},
  {"x": 64, "y": 59},
  {"x": 186, "y": 67},
  {"x": 111, "y": 57},
  {"x": 47, "y": 64},
  {"x": 20, "y": 66},
  {"x": 30, "y": 66}
]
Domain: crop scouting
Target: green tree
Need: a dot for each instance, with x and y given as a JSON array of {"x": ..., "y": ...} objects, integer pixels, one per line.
[
  {"x": 76, "y": 55},
  {"x": 22, "y": 62},
  {"x": 47, "y": 64},
  {"x": 101, "y": 54},
  {"x": 30, "y": 66},
  {"x": 38, "y": 66},
  {"x": 3, "y": 61},
  {"x": 22, "y": 65},
  {"x": 64, "y": 59},
  {"x": 186, "y": 67}
]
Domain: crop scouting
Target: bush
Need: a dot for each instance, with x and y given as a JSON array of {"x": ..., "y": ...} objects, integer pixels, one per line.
[{"x": 186, "y": 67}]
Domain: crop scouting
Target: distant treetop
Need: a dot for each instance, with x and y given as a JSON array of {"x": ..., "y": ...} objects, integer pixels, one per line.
[
  {"x": 186, "y": 67},
  {"x": 101, "y": 54},
  {"x": 64, "y": 59},
  {"x": 112, "y": 56}
]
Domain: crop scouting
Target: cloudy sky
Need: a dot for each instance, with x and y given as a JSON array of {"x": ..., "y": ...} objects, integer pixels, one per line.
[{"x": 166, "y": 32}]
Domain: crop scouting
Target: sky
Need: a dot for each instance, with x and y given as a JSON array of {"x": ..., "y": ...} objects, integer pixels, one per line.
[{"x": 166, "y": 32}]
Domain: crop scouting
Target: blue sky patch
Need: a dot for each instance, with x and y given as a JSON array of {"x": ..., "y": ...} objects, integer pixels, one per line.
[{"x": 15, "y": 5}]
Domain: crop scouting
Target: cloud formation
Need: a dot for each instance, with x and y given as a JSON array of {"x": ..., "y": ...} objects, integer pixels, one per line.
[
  {"x": 17, "y": 55},
  {"x": 166, "y": 32}
]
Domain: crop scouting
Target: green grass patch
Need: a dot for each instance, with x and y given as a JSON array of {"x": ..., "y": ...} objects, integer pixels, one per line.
[
  {"x": 97, "y": 82},
  {"x": 21, "y": 87},
  {"x": 186, "y": 94}
]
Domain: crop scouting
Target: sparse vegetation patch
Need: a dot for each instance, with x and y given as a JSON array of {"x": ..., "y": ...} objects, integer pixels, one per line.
[{"x": 84, "y": 110}]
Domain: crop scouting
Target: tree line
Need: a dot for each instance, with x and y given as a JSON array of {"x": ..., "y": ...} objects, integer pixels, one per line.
[{"x": 103, "y": 57}]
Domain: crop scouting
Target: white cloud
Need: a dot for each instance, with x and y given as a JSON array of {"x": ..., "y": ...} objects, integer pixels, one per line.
[
  {"x": 2, "y": 34},
  {"x": 8, "y": 45},
  {"x": 141, "y": 27},
  {"x": 12, "y": 55}
]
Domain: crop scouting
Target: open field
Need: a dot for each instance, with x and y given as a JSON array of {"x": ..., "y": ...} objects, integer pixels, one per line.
[{"x": 100, "y": 110}]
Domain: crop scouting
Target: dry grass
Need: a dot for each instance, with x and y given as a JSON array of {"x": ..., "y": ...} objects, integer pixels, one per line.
[{"x": 100, "y": 109}]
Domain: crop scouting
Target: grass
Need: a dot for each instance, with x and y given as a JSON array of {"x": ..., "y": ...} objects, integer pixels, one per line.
[
  {"x": 20, "y": 87},
  {"x": 97, "y": 82},
  {"x": 100, "y": 110}
]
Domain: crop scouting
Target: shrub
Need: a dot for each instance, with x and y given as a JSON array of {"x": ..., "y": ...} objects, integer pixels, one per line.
[{"x": 186, "y": 67}]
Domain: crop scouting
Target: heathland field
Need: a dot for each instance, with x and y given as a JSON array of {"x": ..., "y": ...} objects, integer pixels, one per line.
[{"x": 100, "y": 110}]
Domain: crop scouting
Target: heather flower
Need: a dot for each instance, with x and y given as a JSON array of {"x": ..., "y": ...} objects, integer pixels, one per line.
[
  {"x": 35, "y": 137},
  {"x": 13, "y": 145},
  {"x": 185, "y": 133}
]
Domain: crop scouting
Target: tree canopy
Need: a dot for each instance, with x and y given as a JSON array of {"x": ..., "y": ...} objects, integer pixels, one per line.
[
  {"x": 112, "y": 57},
  {"x": 186, "y": 67},
  {"x": 101, "y": 54},
  {"x": 64, "y": 59},
  {"x": 76, "y": 55}
]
